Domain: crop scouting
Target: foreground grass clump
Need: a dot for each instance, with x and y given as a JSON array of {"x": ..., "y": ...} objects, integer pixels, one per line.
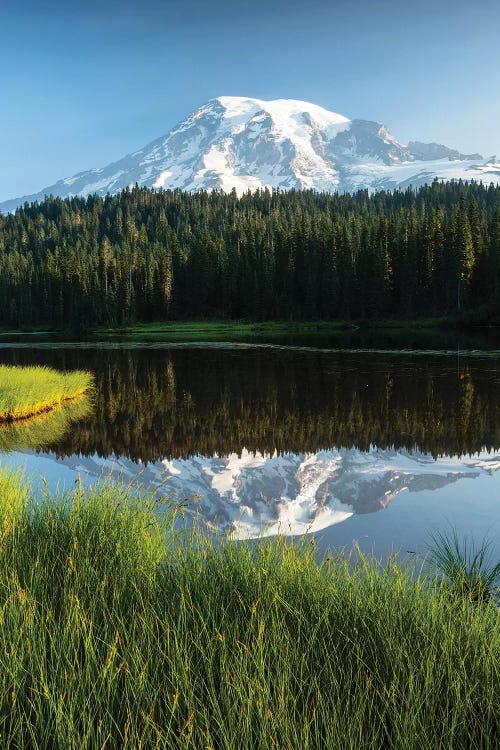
[
  {"x": 28, "y": 391},
  {"x": 116, "y": 633},
  {"x": 467, "y": 567}
]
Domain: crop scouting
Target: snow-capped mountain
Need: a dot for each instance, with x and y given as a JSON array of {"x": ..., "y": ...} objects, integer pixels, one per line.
[{"x": 243, "y": 143}]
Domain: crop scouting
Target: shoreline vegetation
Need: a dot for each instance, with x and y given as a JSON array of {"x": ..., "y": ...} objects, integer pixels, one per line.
[
  {"x": 119, "y": 631},
  {"x": 217, "y": 329},
  {"x": 220, "y": 328},
  {"x": 28, "y": 392},
  {"x": 255, "y": 327}
]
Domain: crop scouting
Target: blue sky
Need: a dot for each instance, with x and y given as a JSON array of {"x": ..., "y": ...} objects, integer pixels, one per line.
[{"x": 84, "y": 83}]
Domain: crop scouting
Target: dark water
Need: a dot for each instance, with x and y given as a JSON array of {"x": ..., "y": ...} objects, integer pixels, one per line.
[{"x": 374, "y": 447}]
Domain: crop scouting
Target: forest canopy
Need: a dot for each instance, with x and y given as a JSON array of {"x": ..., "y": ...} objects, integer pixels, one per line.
[{"x": 145, "y": 255}]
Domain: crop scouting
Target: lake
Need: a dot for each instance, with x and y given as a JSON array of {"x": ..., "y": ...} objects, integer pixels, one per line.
[{"x": 381, "y": 449}]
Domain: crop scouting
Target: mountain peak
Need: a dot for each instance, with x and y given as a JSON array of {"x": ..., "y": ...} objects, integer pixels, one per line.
[
  {"x": 280, "y": 109},
  {"x": 247, "y": 143}
]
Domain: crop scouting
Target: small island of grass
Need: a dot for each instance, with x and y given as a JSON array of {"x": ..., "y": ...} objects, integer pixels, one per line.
[{"x": 26, "y": 392}]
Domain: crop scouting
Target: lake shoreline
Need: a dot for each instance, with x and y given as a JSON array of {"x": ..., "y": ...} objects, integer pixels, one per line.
[
  {"x": 217, "y": 328},
  {"x": 220, "y": 328}
]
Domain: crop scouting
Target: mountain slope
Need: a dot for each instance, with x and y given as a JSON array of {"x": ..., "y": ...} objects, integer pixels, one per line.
[{"x": 243, "y": 143}]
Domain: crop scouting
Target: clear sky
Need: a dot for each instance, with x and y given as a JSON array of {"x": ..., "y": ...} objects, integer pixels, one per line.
[{"x": 83, "y": 83}]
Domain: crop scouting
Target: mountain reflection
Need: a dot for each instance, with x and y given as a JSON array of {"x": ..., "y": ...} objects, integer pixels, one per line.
[
  {"x": 251, "y": 494},
  {"x": 154, "y": 404}
]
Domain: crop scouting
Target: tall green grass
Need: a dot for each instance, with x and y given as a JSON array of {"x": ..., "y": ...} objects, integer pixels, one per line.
[
  {"x": 117, "y": 633},
  {"x": 27, "y": 391},
  {"x": 467, "y": 566}
]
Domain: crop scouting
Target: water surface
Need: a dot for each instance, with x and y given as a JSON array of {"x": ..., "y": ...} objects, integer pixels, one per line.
[{"x": 374, "y": 447}]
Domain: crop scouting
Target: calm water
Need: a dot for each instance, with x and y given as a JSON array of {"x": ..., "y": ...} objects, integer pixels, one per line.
[{"x": 381, "y": 449}]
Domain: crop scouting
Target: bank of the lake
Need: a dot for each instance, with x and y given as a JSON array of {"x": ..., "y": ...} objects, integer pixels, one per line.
[
  {"x": 219, "y": 330},
  {"x": 424, "y": 333},
  {"x": 117, "y": 632},
  {"x": 26, "y": 392},
  {"x": 268, "y": 327},
  {"x": 473, "y": 330}
]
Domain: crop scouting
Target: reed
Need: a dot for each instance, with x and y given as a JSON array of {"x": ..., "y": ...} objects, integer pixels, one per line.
[
  {"x": 117, "y": 630},
  {"x": 28, "y": 391}
]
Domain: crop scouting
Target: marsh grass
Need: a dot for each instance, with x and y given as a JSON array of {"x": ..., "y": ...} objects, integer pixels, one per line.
[
  {"x": 28, "y": 391},
  {"x": 116, "y": 632},
  {"x": 466, "y": 566}
]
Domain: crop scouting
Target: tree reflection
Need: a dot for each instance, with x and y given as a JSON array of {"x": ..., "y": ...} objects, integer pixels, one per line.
[{"x": 156, "y": 403}]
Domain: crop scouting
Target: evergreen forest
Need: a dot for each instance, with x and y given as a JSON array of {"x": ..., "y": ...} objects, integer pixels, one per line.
[{"x": 146, "y": 255}]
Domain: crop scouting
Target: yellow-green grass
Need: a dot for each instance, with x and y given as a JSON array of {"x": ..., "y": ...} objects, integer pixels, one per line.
[
  {"x": 117, "y": 633},
  {"x": 28, "y": 391}
]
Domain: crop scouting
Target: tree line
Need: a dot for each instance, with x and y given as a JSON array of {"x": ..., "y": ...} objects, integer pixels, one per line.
[{"x": 145, "y": 255}]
